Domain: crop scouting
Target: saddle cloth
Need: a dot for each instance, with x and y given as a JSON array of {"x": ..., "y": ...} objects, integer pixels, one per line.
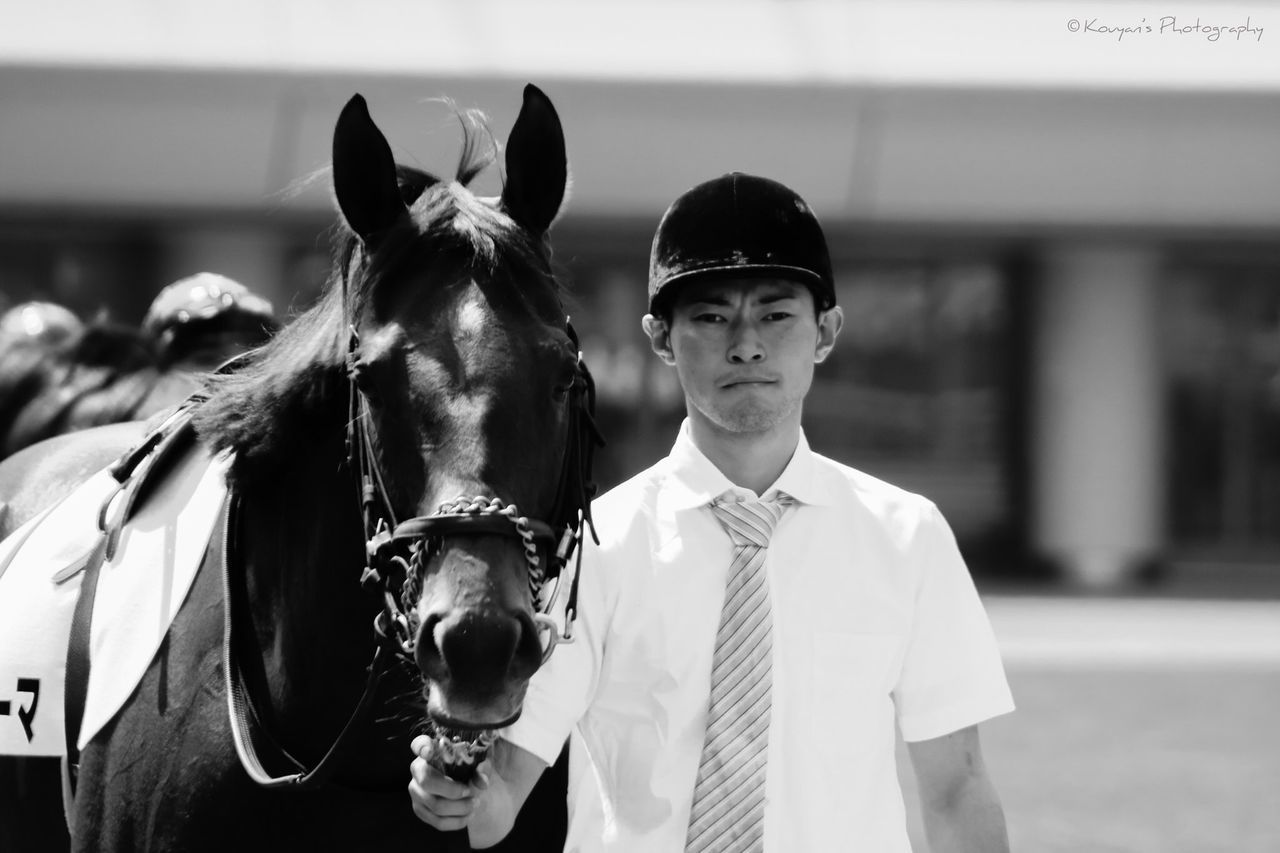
[{"x": 139, "y": 593}]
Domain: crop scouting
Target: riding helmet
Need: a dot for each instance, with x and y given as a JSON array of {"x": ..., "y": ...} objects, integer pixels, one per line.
[
  {"x": 39, "y": 322},
  {"x": 735, "y": 226},
  {"x": 203, "y": 296}
]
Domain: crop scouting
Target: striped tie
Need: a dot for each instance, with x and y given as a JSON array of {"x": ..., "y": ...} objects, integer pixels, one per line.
[{"x": 728, "y": 799}]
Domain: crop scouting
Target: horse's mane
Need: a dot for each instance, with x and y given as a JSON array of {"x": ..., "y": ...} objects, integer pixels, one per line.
[{"x": 297, "y": 382}]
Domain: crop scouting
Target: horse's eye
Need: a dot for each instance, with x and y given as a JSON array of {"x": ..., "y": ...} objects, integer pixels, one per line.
[
  {"x": 362, "y": 376},
  {"x": 566, "y": 380}
]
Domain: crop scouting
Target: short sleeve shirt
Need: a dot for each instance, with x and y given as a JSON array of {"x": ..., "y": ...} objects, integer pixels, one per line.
[{"x": 876, "y": 621}]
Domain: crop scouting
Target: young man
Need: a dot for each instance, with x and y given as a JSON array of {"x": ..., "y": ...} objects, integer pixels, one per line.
[{"x": 756, "y": 617}]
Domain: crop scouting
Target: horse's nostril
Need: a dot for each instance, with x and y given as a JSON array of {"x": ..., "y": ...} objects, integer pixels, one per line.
[
  {"x": 481, "y": 646},
  {"x": 528, "y": 656},
  {"x": 430, "y": 661}
]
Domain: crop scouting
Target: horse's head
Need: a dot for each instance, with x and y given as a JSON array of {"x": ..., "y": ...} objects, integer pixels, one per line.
[{"x": 465, "y": 374}]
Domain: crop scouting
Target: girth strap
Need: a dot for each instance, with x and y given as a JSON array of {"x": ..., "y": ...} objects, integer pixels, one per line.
[{"x": 76, "y": 690}]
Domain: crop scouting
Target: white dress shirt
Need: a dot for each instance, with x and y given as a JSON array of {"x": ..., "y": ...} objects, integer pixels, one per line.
[{"x": 875, "y": 620}]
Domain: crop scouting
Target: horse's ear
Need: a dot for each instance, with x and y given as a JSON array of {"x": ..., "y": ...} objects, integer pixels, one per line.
[
  {"x": 537, "y": 168},
  {"x": 364, "y": 173}
]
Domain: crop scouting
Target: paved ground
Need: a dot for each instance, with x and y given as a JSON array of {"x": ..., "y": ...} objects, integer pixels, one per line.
[
  {"x": 1040, "y": 632},
  {"x": 1143, "y": 725}
]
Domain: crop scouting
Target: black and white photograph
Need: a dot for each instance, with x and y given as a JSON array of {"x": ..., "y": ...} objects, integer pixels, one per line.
[{"x": 692, "y": 426}]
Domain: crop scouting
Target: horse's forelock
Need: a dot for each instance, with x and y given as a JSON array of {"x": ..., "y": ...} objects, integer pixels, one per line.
[
  {"x": 448, "y": 221},
  {"x": 479, "y": 146},
  {"x": 413, "y": 182}
]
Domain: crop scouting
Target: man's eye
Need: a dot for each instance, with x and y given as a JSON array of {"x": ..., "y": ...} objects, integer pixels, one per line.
[
  {"x": 778, "y": 315},
  {"x": 709, "y": 318}
]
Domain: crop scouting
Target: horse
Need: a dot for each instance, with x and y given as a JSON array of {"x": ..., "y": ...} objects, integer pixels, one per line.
[{"x": 435, "y": 387}]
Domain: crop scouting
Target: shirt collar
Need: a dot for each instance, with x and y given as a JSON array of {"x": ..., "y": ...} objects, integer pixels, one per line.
[{"x": 693, "y": 480}]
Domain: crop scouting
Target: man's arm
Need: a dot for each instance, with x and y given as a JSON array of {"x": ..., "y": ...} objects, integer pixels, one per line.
[
  {"x": 486, "y": 808},
  {"x": 962, "y": 812}
]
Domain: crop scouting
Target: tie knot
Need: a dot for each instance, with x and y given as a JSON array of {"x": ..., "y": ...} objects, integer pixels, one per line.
[{"x": 750, "y": 522}]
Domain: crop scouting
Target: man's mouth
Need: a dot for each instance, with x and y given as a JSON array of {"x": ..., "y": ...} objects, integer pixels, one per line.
[{"x": 734, "y": 383}]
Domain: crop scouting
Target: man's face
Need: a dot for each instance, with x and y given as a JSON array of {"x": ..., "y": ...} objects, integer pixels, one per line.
[{"x": 744, "y": 350}]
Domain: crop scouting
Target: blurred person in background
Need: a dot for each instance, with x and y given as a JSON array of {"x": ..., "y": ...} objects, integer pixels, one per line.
[
  {"x": 752, "y": 606},
  {"x": 199, "y": 322},
  {"x": 43, "y": 324},
  {"x": 103, "y": 373},
  {"x": 34, "y": 341},
  {"x": 60, "y": 376}
]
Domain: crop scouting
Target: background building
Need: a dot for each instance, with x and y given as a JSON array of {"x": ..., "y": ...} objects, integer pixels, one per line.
[{"x": 1057, "y": 242}]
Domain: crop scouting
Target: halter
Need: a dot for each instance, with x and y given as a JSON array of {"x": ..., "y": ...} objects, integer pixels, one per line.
[{"x": 396, "y": 552}]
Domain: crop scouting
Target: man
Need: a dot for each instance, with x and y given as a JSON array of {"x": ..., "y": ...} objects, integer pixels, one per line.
[
  {"x": 756, "y": 617},
  {"x": 201, "y": 321}
]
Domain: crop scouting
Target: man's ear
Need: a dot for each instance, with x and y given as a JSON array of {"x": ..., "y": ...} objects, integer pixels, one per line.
[
  {"x": 829, "y": 325},
  {"x": 659, "y": 337}
]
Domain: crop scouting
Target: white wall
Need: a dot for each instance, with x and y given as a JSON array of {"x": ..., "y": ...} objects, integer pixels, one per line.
[{"x": 1097, "y": 425}]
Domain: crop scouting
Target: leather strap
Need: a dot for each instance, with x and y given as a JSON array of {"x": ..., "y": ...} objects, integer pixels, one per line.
[
  {"x": 77, "y": 674},
  {"x": 252, "y": 741},
  {"x": 468, "y": 525}
]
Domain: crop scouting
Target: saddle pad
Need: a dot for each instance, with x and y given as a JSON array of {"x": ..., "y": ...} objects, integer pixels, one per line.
[{"x": 139, "y": 593}]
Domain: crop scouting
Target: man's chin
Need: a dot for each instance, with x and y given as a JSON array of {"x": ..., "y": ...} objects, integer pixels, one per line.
[{"x": 748, "y": 420}]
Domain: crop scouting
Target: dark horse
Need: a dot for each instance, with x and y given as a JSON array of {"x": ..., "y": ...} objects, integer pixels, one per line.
[{"x": 443, "y": 337}]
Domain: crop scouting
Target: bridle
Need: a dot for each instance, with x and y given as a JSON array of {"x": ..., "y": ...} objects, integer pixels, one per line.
[{"x": 396, "y": 552}]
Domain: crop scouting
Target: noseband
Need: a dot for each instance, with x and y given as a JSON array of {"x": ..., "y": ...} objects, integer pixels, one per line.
[{"x": 396, "y": 553}]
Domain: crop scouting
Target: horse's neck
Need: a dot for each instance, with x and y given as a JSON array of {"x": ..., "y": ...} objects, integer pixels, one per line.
[{"x": 299, "y": 542}]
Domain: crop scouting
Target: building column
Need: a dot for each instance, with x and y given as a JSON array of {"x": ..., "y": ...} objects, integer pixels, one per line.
[
  {"x": 252, "y": 255},
  {"x": 1097, "y": 423}
]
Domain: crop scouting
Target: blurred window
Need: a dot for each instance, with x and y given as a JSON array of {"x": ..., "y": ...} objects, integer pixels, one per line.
[
  {"x": 87, "y": 267},
  {"x": 1222, "y": 351},
  {"x": 918, "y": 390}
]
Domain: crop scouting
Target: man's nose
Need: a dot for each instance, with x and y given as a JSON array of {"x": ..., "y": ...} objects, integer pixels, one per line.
[{"x": 745, "y": 345}]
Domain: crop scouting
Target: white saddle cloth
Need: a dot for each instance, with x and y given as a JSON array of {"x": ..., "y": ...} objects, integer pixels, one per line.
[{"x": 139, "y": 592}]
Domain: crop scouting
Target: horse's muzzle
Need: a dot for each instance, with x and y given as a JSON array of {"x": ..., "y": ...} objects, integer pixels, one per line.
[{"x": 477, "y": 663}]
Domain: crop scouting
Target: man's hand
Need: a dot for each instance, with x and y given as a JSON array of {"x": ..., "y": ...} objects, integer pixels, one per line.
[
  {"x": 487, "y": 806},
  {"x": 437, "y": 799}
]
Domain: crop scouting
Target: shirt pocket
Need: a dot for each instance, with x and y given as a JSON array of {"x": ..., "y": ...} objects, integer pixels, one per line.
[{"x": 853, "y": 678}]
